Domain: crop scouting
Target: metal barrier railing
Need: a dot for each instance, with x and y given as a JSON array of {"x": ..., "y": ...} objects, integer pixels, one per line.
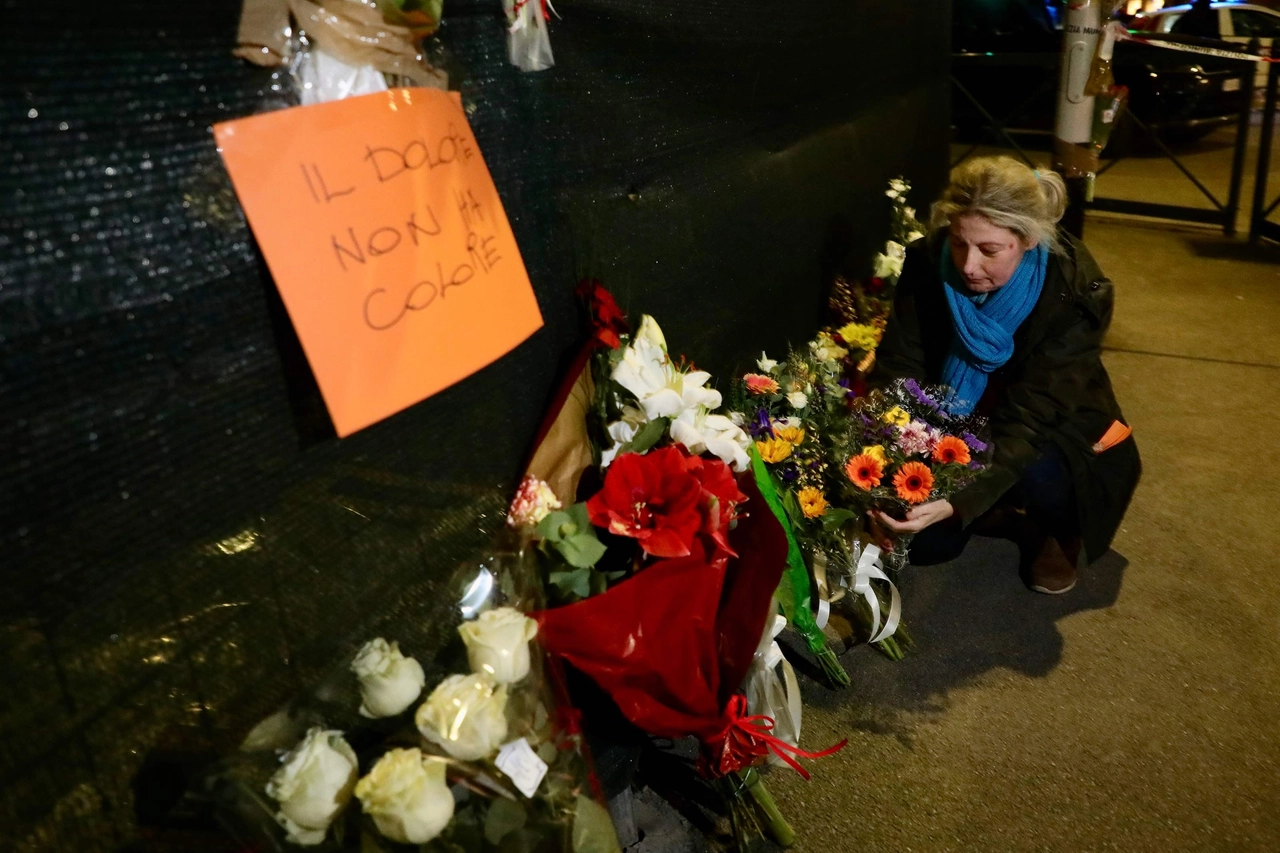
[
  {"x": 1259, "y": 225},
  {"x": 1222, "y": 213}
]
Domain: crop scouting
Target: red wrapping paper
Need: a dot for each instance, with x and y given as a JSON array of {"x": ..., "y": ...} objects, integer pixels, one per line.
[{"x": 672, "y": 644}]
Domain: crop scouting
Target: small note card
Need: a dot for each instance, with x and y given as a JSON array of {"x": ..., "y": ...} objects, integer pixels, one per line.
[{"x": 522, "y": 766}]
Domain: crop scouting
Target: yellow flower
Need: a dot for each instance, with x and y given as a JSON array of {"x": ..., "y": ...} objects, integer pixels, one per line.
[
  {"x": 773, "y": 449},
  {"x": 812, "y": 503},
  {"x": 896, "y": 416},
  {"x": 876, "y": 451},
  {"x": 792, "y": 435},
  {"x": 860, "y": 336}
]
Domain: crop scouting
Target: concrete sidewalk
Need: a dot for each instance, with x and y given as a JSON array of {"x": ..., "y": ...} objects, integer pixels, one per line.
[{"x": 1141, "y": 711}]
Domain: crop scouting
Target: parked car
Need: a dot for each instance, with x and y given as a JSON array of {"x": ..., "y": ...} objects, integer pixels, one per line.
[
  {"x": 1237, "y": 22},
  {"x": 1005, "y": 54}
]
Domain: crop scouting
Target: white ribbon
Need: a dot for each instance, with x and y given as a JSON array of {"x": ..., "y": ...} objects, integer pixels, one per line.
[
  {"x": 868, "y": 568},
  {"x": 770, "y": 695}
]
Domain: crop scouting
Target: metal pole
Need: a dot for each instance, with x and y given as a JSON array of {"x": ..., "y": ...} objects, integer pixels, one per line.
[
  {"x": 1073, "y": 154},
  {"x": 1242, "y": 140},
  {"x": 1264, "y": 150}
]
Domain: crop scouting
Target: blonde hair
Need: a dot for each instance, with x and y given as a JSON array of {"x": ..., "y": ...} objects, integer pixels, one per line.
[{"x": 1006, "y": 193}]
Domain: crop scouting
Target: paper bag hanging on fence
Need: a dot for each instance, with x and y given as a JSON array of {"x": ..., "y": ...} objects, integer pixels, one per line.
[{"x": 387, "y": 240}]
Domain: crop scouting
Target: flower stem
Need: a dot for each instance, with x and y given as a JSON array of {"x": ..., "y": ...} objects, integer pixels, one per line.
[
  {"x": 775, "y": 824},
  {"x": 831, "y": 667}
]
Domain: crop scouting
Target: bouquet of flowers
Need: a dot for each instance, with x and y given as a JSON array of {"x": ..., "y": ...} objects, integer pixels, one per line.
[
  {"x": 902, "y": 448},
  {"x": 488, "y": 759},
  {"x": 861, "y": 308},
  {"x": 798, "y": 412},
  {"x": 665, "y": 571}
]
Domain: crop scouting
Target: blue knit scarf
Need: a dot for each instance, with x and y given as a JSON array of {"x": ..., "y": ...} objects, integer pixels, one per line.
[{"x": 985, "y": 323}]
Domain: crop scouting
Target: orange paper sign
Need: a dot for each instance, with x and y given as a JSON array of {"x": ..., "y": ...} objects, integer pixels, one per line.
[{"x": 384, "y": 233}]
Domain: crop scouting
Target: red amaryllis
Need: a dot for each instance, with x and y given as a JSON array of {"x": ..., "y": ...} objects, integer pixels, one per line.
[
  {"x": 607, "y": 319},
  {"x": 653, "y": 499},
  {"x": 719, "y": 498}
]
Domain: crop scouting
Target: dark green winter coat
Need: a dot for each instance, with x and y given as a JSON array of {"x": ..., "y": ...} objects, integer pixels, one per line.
[{"x": 1053, "y": 388}]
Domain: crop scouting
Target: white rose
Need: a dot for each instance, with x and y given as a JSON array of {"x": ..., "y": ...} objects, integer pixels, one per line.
[
  {"x": 466, "y": 716},
  {"x": 406, "y": 795},
  {"x": 498, "y": 644},
  {"x": 914, "y": 236},
  {"x": 797, "y": 399},
  {"x": 389, "y": 681},
  {"x": 909, "y": 212},
  {"x": 313, "y": 784},
  {"x": 765, "y": 363}
]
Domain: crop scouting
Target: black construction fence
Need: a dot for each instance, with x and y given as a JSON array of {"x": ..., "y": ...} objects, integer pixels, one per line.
[{"x": 185, "y": 543}]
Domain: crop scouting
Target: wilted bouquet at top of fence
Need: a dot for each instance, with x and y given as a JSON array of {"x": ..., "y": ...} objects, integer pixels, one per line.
[{"x": 902, "y": 449}]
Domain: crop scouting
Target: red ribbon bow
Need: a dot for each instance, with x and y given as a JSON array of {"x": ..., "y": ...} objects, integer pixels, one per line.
[{"x": 746, "y": 739}]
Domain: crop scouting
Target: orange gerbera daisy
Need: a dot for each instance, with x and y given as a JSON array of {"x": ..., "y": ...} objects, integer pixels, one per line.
[
  {"x": 914, "y": 482},
  {"x": 950, "y": 450},
  {"x": 758, "y": 383},
  {"x": 865, "y": 471}
]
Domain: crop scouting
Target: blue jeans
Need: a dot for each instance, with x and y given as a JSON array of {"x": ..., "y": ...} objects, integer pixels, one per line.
[{"x": 1047, "y": 493}]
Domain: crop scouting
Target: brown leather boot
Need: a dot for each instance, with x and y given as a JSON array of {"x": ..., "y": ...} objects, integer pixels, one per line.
[{"x": 1053, "y": 566}]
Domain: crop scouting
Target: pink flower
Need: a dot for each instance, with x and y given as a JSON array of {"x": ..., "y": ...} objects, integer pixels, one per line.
[
  {"x": 916, "y": 438},
  {"x": 533, "y": 502}
]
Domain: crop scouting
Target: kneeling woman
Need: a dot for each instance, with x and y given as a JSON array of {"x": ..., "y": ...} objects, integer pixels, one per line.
[{"x": 1009, "y": 312}]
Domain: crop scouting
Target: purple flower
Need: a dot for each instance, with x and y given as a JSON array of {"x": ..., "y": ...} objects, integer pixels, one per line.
[
  {"x": 974, "y": 444},
  {"x": 914, "y": 389},
  {"x": 975, "y": 465},
  {"x": 790, "y": 473},
  {"x": 761, "y": 425}
]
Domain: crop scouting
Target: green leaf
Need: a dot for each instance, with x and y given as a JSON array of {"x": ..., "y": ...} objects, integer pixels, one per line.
[
  {"x": 504, "y": 816},
  {"x": 593, "y": 830},
  {"x": 647, "y": 436},
  {"x": 793, "y": 509},
  {"x": 550, "y": 527},
  {"x": 582, "y": 550},
  {"x": 576, "y": 582},
  {"x": 579, "y": 517},
  {"x": 837, "y": 518}
]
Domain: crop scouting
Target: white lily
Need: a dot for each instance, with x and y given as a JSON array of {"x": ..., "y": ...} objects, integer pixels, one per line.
[
  {"x": 621, "y": 432},
  {"x": 765, "y": 363},
  {"x": 662, "y": 390},
  {"x": 700, "y": 431}
]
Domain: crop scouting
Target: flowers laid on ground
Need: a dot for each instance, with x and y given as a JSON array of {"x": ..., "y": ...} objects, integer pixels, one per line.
[
  {"x": 910, "y": 451},
  {"x": 659, "y": 567},
  {"x": 862, "y": 307},
  {"x": 496, "y": 733}
]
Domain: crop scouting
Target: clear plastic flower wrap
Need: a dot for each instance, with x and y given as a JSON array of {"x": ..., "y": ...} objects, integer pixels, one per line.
[
  {"x": 476, "y": 750},
  {"x": 338, "y": 49}
]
